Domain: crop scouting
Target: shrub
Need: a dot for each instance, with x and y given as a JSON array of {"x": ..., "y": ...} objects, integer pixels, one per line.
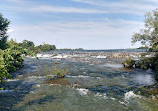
[
  {"x": 11, "y": 59},
  {"x": 56, "y": 70},
  {"x": 30, "y": 46},
  {"x": 3, "y": 70},
  {"x": 128, "y": 63},
  {"x": 46, "y": 47},
  {"x": 144, "y": 63}
]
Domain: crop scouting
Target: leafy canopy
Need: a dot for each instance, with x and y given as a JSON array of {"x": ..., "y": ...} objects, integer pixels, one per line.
[
  {"x": 4, "y": 23},
  {"x": 149, "y": 35}
]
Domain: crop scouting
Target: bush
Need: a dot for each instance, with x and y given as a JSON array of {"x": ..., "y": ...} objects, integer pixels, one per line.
[
  {"x": 128, "y": 63},
  {"x": 11, "y": 59},
  {"x": 30, "y": 46},
  {"x": 144, "y": 63},
  {"x": 46, "y": 47},
  {"x": 56, "y": 70},
  {"x": 148, "y": 62},
  {"x": 3, "y": 70}
]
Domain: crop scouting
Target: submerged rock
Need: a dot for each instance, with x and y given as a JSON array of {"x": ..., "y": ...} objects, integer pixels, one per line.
[{"x": 75, "y": 85}]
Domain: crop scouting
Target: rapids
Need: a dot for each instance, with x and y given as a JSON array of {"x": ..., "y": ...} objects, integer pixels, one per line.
[{"x": 101, "y": 84}]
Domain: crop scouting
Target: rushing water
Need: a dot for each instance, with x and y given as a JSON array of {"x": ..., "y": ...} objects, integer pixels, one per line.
[{"x": 88, "y": 86}]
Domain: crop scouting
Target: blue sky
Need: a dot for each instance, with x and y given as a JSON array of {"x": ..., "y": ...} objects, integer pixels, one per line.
[{"x": 89, "y": 24}]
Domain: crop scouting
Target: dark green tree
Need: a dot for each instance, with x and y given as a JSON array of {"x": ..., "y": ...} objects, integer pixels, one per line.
[
  {"x": 29, "y": 45},
  {"x": 149, "y": 35},
  {"x": 47, "y": 47},
  {"x": 26, "y": 44},
  {"x": 4, "y": 23}
]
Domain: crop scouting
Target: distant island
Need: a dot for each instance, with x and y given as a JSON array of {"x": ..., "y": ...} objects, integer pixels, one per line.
[{"x": 142, "y": 47}]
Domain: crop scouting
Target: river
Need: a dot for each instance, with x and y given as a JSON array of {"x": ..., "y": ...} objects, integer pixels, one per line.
[{"x": 92, "y": 84}]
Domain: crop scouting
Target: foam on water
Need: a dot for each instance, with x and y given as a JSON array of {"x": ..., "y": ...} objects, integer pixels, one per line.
[
  {"x": 100, "y": 95},
  {"x": 101, "y": 56},
  {"x": 79, "y": 76},
  {"x": 38, "y": 85},
  {"x": 123, "y": 103},
  {"x": 53, "y": 56},
  {"x": 11, "y": 80},
  {"x": 113, "y": 98},
  {"x": 36, "y": 77},
  {"x": 130, "y": 94},
  {"x": 82, "y": 91}
]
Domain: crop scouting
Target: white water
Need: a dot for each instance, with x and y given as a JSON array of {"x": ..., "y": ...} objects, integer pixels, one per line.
[
  {"x": 82, "y": 91},
  {"x": 130, "y": 95}
]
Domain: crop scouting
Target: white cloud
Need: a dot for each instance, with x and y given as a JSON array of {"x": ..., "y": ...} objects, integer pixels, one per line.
[
  {"x": 10, "y": 31},
  {"x": 17, "y": 1},
  {"x": 89, "y": 35},
  {"x": 105, "y": 7},
  {"x": 47, "y": 8},
  {"x": 126, "y": 6},
  {"x": 105, "y": 34},
  {"x": 52, "y": 9}
]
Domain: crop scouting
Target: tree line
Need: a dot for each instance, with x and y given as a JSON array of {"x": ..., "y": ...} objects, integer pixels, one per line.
[{"x": 36, "y": 49}]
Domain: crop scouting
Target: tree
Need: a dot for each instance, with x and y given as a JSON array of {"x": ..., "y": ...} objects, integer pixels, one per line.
[
  {"x": 149, "y": 35},
  {"x": 47, "y": 47},
  {"x": 4, "y": 23},
  {"x": 26, "y": 44}
]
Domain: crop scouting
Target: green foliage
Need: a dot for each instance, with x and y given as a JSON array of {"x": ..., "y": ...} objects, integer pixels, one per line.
[
  {"x": 46, "y": 47},
  {"x": 155, "y": 65},
  {"x": 154, "y": 62},
  {"x": 149, "y": 35},
  {"x": 11, "y": 59},
  {"x": 36, "y": 49},
  {"x": 26, "y": 44},
  {"x": 4, "y": 23},
  {"x": 29, "y": 45},
  {"x": 3, "y": 69},
  {"x": 142, "y": 48},
  {"x": 144, "y": 63},
  {"x": 128, "y": 63},
  {"x": 56, "y": 70}
]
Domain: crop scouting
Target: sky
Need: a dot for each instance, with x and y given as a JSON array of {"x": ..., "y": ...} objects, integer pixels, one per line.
[{"x": 88, "y": 24}]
